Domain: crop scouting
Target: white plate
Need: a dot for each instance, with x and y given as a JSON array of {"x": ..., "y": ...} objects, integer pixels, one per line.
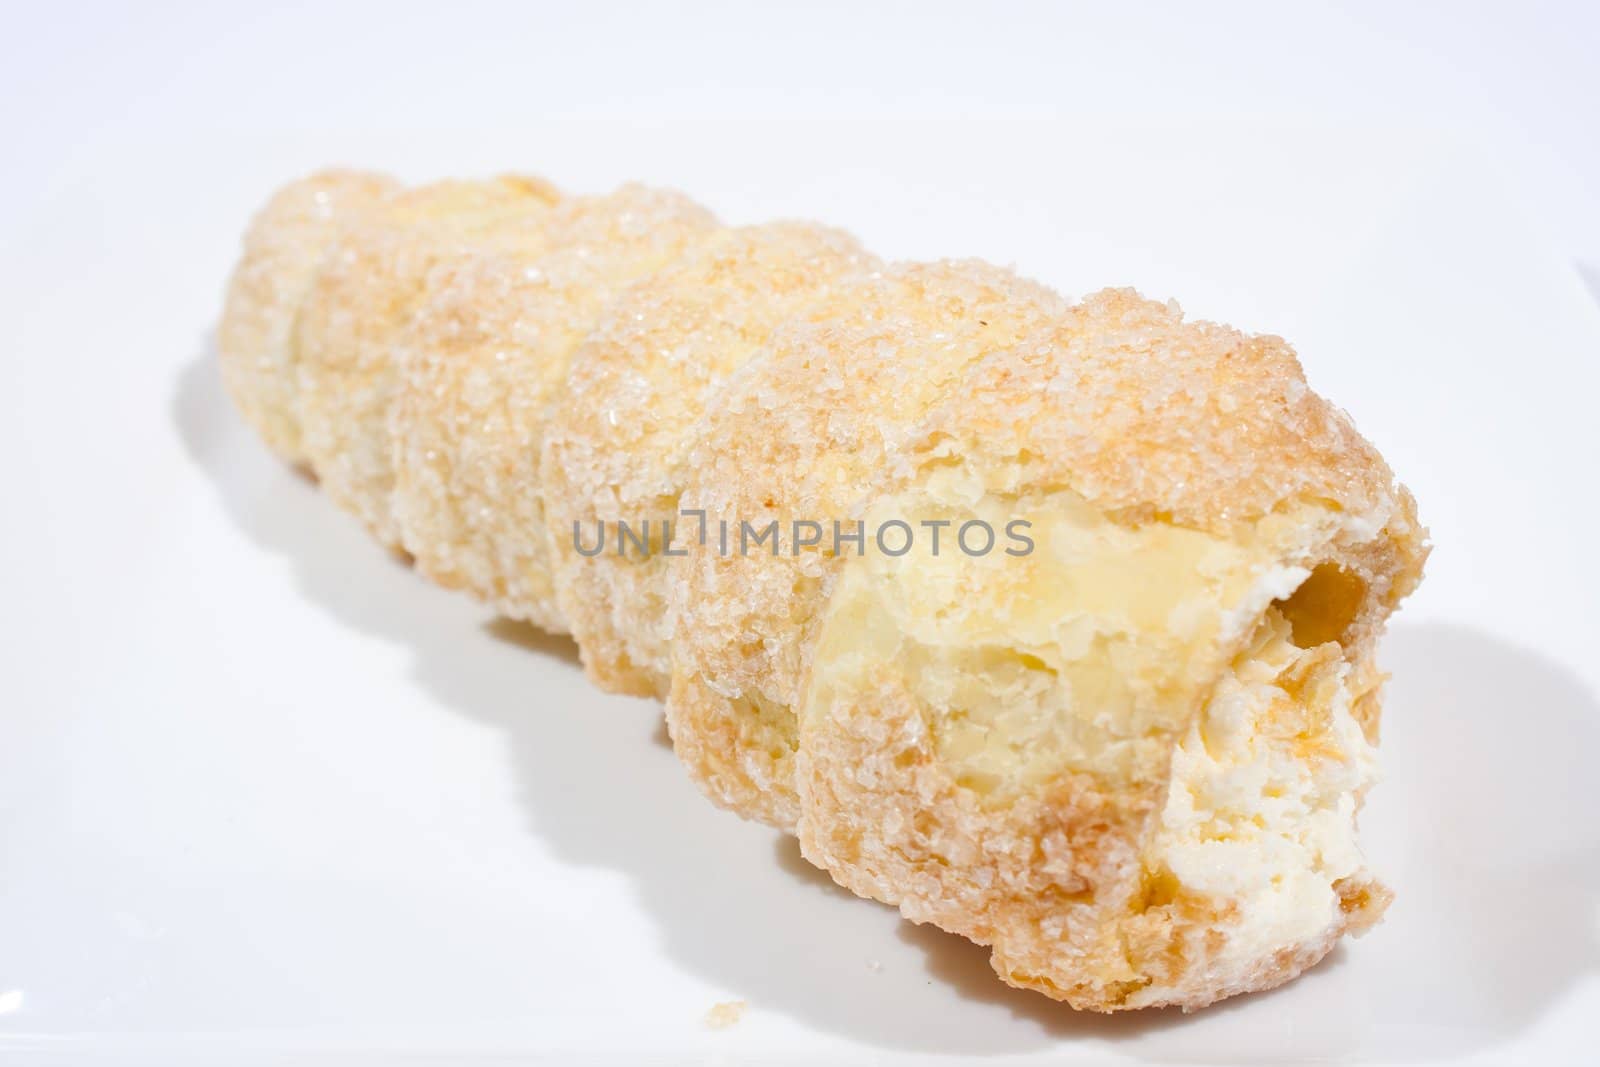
[{"x": 264, "y": 792}]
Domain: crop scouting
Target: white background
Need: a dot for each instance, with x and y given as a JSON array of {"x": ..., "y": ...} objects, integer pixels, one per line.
[{"x": 263, "y": 793}]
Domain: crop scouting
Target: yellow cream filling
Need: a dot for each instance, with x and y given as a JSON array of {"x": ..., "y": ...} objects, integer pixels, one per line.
[{"x": 1063, "y": 658}]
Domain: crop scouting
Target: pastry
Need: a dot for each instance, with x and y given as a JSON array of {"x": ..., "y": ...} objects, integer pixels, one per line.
[
  {"x": 484, "y": 365},
  {"x": 1052, "y": 624},
  {"x": 363, "y": 301},
  {"x": 617, "y": 449}
]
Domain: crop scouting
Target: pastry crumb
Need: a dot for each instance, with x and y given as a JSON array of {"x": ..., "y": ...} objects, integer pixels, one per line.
[{"x": 726, "y": 1014}]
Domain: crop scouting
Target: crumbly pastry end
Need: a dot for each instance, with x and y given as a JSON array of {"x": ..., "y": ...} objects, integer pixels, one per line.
[
  {"x": 488, "y": 356},
  {"x": 615, "y": 452},
  {"x": 1009, "y": 752},
  {"x": 283, "y": 249},
  {"x": 1254, "y": 860},
  {"x": 1129, "y": 759}
]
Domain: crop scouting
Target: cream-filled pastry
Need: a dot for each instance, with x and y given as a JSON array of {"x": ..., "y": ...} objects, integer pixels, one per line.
[{"x": 1058, "y": 627}]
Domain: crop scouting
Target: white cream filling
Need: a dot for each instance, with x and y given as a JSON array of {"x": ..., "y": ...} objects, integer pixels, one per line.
[{"x": 1262, "y": 809}]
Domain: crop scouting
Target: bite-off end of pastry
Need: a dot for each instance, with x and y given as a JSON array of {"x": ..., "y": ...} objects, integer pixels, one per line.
[{"x": 1118, "y": 729}]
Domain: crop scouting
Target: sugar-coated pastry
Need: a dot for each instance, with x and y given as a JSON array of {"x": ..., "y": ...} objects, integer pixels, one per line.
[
  {"x": 802, "y": 433},
  {"x": 489, "y": 350},
  {"x": 286, "y": 246},
  {"x": 615, "y": 451},
  {"x": 348, "y": 340},
  {"x": 1130, "y": 759},
  {"x": 1051, "y": 624}
]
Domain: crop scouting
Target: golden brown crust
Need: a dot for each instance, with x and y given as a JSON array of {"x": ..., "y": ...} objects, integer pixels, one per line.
[
  {"x": 1152, "y": 417},
  {"x": 1037, "y": 754}
]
